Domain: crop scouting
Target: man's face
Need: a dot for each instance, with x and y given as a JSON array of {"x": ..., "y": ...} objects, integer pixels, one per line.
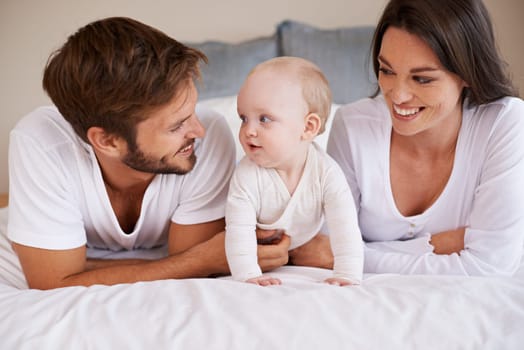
[{"x": 164, "y": 142}]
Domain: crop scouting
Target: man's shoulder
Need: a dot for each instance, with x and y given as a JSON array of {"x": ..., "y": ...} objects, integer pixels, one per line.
[
  {"x": 219, "y": 137},
  {"x": 208, "y": 117},
  {"x": 45, "y": 126},
  {"x": 39, "y": 116}
]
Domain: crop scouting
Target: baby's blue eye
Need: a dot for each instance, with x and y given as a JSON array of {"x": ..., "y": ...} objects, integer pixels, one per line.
[
  {"x": 264, "y": 119},
  {"x": 242, "y": 119}
]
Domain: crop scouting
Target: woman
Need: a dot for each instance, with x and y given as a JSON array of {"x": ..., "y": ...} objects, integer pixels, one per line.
[{"x": 436, "y": 160}]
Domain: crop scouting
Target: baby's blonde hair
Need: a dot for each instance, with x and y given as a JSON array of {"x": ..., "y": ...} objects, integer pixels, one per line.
[{"x": 315, "y": 87}]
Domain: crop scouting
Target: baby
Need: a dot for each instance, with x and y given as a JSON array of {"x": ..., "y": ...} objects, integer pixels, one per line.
[{"x": 286, "y": 181}]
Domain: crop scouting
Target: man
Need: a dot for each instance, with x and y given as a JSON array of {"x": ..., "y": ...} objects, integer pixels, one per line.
[{"x": 125, "y": 161}]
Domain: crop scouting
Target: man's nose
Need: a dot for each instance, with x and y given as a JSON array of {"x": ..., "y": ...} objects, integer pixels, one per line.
[{"x": 196, "y": 129}]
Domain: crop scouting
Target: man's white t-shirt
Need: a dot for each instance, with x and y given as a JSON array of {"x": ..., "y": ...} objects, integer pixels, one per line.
[
  {"x": 485, "y": 192},
  {"x": 58, "y": 198}
]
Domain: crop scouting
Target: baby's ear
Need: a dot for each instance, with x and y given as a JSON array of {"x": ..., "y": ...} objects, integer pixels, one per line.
[
  {"x": 106, "y": 143},
  {"x": 312, "y": 126}
]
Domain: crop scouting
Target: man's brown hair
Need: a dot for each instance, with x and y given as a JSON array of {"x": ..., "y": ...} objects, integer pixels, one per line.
[{"x": 113, "y": 72}]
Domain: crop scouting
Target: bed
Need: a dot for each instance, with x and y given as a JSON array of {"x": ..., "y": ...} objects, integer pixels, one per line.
[
  {"x": 385, "y": 312},
  {"x": 388, "y": 311}
]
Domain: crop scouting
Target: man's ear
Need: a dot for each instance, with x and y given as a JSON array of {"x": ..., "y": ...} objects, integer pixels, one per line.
[
  {"x": 106, "y": 143},
  {"x": 312, "y": 126}
]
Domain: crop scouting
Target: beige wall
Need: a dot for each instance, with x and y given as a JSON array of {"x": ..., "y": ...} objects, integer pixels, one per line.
[{"x": 30, "y": 30}]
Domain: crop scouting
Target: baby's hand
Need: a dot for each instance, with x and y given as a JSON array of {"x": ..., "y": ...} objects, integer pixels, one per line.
[
  {"x": 264, "y": 281},
  {"x": 340, "y": 282}
]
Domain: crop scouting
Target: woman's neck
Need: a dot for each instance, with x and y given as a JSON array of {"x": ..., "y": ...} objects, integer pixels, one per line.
[{"x": 435, "y": 142}]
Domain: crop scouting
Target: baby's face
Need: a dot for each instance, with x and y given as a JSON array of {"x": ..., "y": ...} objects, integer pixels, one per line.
[{"x": 273, "y": 113}]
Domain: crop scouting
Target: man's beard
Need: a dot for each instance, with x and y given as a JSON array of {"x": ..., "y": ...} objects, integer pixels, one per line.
[{"x": 136, "y": 159}]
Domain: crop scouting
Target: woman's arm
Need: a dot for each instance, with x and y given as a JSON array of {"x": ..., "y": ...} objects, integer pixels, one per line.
[{"x": 448, "y": 242}]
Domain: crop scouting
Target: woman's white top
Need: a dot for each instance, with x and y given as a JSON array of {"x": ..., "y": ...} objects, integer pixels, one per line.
[{"x": 484, "y": 193}]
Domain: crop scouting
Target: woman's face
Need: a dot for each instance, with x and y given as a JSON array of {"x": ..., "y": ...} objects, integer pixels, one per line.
[{"x": 421, "y": 94}]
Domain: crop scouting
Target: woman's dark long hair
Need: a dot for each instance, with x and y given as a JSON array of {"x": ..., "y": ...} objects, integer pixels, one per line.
[{"x": 461, "y": 35}]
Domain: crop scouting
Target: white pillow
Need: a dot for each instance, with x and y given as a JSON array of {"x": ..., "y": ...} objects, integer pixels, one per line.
[{"x": 227, "y": 106}]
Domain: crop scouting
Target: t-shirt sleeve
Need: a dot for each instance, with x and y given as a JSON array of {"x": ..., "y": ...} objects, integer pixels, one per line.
[
  {"x": 494, "y": 236},
  {"x": 241, "y": 219},
  {"x": 342, "y": 220},
  {"x": 204, "y": 191},
  {"x": 338, "y": 148},
  {"x": 42, "y": 210}
]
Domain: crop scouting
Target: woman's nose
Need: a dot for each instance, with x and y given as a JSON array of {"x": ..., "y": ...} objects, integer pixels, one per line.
[{"x": 400, "y": 92}]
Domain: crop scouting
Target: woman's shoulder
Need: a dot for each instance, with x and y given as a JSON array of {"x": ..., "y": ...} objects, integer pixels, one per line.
[
  {"x": 506, "y": 111},
  {"x": 499, "y": 121},
  {"x": 502, "y": 106},
  {"x": 372, "y": 109},
  {"x": 365, "y": 119}
]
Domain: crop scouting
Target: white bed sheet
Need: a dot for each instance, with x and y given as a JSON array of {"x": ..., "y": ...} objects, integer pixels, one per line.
[{"x": 385, "y": 312}]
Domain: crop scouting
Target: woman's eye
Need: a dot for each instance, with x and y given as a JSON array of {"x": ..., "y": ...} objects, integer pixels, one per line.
[
  {"x": 385, "y": 71},
  {"x": 422, "y": 80}
]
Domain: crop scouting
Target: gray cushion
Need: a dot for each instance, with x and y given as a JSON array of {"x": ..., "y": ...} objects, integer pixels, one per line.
[
  {"x": 229, "y": 64},
  {"x": 342, "y": 54}
]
